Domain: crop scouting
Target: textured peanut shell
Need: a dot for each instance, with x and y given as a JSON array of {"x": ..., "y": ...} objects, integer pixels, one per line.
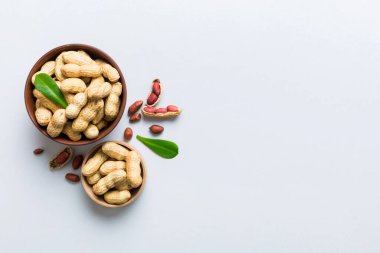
[
  {"x": 133, "y": 169},
  {"x": 87, "y": 114},
  {"x": 108, "y": 71},
  {"x": 45, "y": 102},
  {"x": 99, "y": 90},
  {"x": 91, "y": 132},
  {"x": 77, "y": 58},
  {"x": 58, "y": 65},
  {"x": 123, "y": 185},
  {"x": 57, "y": 122},
  {"x": 102, "y": 124},
  {"x": 73, "y": 109},
  {"x": 47, "y": 68},
  {"x": 85, "y": 54},
  {"x": 161, "y": 115},
  {"x": 86, "y": 80},
  {"x": 108, "y": 182},
  {"x": 97, "y": 80},
  {"x": 94, "y": 163},
  {"x": 68, "y": 96},
  {"x": 112, "y": 103},
  {"x": 72, "y": 85},
  {"x": 94, "y": 178},
  {"x": 110, "y": 166},
  {"x": 89, "y": 70},
  {"x": 115, "y": 150},
  {"x": 43, "y": 116},
  {"x": 38, "y": 103},
  {"x": 99, "y": 116},
  {"x": 117, "y": 197},
  {"x": 69, "y": 132}
]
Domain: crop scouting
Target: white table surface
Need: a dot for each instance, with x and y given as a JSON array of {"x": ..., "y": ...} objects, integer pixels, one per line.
[{"x": 279, "y": 138}]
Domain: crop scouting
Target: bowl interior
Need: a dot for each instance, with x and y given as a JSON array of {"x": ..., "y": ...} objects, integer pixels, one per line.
[
  {"x": 52, "y": 55},
  {"x": 99, "y": 199}
]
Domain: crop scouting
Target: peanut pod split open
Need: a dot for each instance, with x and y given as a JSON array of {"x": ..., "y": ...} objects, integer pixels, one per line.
[
  {"x": 170, "y": 111},
  {"x": 155, "y": 94}
]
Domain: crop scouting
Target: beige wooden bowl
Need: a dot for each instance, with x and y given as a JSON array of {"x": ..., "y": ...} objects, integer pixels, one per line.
[{"x": 99, "y": 199}]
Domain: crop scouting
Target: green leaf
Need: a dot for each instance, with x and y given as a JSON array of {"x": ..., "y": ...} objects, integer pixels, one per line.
[
  {"x": 47, "y": 86},
  {"x": 163, "y": 148}
]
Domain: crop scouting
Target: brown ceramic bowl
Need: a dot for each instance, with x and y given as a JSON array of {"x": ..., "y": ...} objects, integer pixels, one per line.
[
  {"x": 99, "y": 199},
  {"x": 51, "y": 55}
]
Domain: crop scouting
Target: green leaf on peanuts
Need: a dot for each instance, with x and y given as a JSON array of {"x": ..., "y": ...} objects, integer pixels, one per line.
[{"x": 47, "y": 86}]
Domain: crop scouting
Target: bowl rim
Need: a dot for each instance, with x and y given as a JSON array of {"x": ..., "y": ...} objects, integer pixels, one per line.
[
  {"x": 56, "y": 51},
  {"x": 88, "y": 188}
]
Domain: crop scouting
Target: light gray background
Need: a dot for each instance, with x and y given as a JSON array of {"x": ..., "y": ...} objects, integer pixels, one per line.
[{"x": 279, "y": 138}]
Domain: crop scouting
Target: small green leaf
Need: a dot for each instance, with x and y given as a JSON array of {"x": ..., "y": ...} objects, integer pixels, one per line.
[
  {"x": 47, "y": 86},
  {"x": 163, "y": 148}
]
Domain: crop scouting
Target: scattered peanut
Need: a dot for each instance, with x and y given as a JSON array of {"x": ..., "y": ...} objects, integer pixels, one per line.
[
  {"x": 128, "y": 133},
  {"x": 135, "y": 107},
  {"x": 135, "y": 117},
  {"x": 156, "y": 129},
  {"x": 38, "y": 151},
  {"x": 77, "y": 162},
  {"x": 170, "y": 111},
  {"x": 61, "y": 159},
  {"x": 72, "y": 177}
]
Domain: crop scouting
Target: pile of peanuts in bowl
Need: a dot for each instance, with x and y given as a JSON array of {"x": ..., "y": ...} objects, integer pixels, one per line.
[
  {"x": 91, "y": 89},
  {"x": 113, "y": 173}
]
